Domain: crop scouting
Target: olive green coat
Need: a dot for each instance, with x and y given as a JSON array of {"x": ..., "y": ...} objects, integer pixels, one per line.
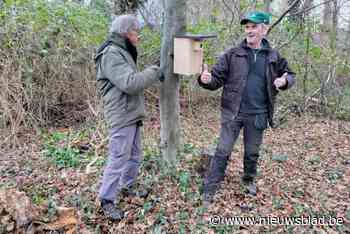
[{"x": 121, "y": 85}]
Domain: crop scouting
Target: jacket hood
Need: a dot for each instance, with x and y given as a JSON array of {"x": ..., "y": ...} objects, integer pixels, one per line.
[{"x": 118, "y": 40}]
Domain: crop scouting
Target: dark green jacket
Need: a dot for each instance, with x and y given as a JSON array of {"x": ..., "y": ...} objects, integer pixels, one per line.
[{"x": 121, "y": 85}]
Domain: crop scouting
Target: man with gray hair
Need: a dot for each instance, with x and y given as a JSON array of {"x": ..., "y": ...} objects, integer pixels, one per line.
[
  {"x": 121, "y": 86},
  {"x": 251, "y": 74}
]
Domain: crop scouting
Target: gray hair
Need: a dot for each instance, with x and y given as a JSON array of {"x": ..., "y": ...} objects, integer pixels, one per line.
[{"x": 124, "y": 23}]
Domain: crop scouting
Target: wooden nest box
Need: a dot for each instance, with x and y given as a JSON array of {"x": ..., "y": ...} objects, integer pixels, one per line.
[{"x": 188, "y": 53}]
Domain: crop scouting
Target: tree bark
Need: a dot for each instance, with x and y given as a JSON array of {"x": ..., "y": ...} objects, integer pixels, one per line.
[
  {"x": 330, "y": 17},
  {"x": 174, "y": 23},
  {"x": 119, "y": 7},
  {"x": 308, "y": 34},
  {"x": 334, "y": 31},
  {"x": 267, "y": 6},
  {"x": 347, "y": 48},
  {"x": 327, "y": 16}
]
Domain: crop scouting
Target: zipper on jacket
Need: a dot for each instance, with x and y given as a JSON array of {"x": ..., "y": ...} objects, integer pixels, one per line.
[{"x": 255, "y": 52}]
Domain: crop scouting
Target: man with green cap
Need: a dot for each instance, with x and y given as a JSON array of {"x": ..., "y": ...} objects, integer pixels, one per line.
[{"x": 251, "y": 74}]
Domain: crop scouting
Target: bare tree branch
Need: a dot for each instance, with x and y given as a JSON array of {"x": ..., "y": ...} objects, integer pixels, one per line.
[
  {"x": 145, "y": 13},
  {"x": 232, "y": 12},
  {"x": 289, "y": 41},
  {"x": 310, "y": 8},
  {"x": 283, "y": 15}
]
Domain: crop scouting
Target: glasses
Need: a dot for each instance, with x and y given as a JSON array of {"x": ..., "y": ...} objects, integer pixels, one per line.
[{"x": 135, "y": 33}]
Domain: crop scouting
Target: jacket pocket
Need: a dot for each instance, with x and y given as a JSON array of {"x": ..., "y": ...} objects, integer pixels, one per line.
[
  {"x": 227, "y": 98},
  {"x": 133, "y": 102}
]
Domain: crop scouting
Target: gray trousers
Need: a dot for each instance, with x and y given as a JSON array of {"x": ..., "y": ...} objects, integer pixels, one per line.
[
  {"x": 124, "y": 154},
  {"x": 253, "y": 128}
]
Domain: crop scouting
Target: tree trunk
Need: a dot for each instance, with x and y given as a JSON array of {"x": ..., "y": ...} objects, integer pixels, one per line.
[
  {"x": 308, "y": 34},
  {"x": 119, "y": 7},
  {"x": 267, "y": 6},
  {"x": 334, "y": 31},
  {"x": 327, "y": 16},
  {"x": 330, "y": 17},
  {"x": 174, "y": 23},
  {"x": 347, "y": 48}
]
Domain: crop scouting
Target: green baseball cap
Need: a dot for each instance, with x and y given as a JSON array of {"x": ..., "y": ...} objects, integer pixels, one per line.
[{"x": 256, "y": 17}]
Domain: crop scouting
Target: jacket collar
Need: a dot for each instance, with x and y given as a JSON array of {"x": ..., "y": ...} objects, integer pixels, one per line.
[
  {"x": 118, "y": 40},
  {"x": 242, "y": 49},
  {"x": 265, "y": 44},
  {"x": 123, "y": 43}
]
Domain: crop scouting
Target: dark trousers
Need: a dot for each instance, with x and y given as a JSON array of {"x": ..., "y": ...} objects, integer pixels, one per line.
[{"x": 253, "y": 128}]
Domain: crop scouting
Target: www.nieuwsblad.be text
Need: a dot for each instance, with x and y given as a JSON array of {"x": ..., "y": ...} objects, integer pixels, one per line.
[{"x": 270, "y": 220}]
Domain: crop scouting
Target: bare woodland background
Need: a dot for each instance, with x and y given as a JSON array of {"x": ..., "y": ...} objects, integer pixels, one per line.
[
  {"x": 47, "y": 75},
  {"x": 50, "y": 113}
]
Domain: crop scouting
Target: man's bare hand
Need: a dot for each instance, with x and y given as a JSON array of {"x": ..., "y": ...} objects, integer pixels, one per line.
[
  {"x": 282, "y": 81},
  {"x": 206, "y": 75}
]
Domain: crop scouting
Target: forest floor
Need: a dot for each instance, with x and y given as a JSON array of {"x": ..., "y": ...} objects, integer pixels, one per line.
[{"x": 304, "y": 171}]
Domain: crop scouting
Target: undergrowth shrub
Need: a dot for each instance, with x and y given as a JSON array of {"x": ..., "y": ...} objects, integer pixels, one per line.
[
  {"x": 47, "y": 74},
  {"x": 46, "y": 62}
]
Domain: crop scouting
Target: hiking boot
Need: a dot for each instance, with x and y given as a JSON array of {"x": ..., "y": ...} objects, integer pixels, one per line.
[
  {"x": 249, "y": 187},
  {"x": 208, "y": 194},
  {"x": 111, "y": 212},
  {"x": 208, "y": 198},
  {"x": 131, "y": 192}
]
